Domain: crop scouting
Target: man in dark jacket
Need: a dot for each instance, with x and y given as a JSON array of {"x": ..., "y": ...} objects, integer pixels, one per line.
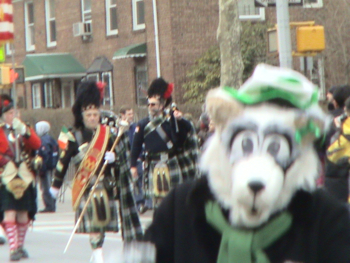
[{"x": 48, "y": 149}]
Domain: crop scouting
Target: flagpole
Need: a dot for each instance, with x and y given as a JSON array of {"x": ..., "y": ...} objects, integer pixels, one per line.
[{"x": 14, "y": 95}]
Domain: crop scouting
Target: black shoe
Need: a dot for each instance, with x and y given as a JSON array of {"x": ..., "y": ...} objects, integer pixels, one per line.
[
  {"x": 23, "y": 252},
  {"x": 2, "y": 240},
  {"x": 143, "y": 209},
  {"x": 15, "y": 255},
  {"x": 47, "y": 211}
]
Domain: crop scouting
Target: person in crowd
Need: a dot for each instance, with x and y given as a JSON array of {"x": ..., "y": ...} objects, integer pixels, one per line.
[
  {"x": 337, "y": 161},
  {"x": 329, "y": 97},
  {"x": 49, "y": 153},
  {"x": 89, "y": 146},
  {"x": 18, "y": 204},
  {"x": 127, "y": 114},
  {"x": 170, "y": 144}
]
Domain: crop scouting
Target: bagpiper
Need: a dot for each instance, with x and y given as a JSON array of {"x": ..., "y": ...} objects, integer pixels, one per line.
[
  {"x": 170, "y": 144},
  {"x": 18, "y": 166},
  {"x": 88, "y": 145}
]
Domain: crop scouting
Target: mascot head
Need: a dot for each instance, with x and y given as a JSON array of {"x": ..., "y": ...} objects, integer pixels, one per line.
[{"x": 261, "y": 155}]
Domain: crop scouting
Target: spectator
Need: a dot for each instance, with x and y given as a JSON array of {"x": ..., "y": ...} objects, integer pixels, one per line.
[
  {"x": 337, "y": 163},
  {"x": 49, "y": 153}
]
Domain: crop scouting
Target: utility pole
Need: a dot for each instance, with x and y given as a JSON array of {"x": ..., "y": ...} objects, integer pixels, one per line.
[{"x": 284, "y": 39}]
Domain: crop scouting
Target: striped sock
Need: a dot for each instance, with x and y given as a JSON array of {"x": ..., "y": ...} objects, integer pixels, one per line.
[
  {"x": 21, "y": 232},
  {"x": 11, "y": 233}
]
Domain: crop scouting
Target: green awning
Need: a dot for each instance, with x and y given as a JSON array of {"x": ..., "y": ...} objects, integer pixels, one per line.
[
  {"x": 54, "y": 65},
  {"x": 136, "y": 50}
]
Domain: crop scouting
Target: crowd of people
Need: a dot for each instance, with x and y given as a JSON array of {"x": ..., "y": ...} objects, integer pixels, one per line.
[{"x": 136, "y": 163}]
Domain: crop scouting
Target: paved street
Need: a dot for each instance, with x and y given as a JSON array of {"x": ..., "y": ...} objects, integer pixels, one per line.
[{"x": 47, "y": 239}]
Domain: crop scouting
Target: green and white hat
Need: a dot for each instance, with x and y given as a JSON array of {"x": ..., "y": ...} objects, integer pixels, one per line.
[{"x": 269, "y": 82}]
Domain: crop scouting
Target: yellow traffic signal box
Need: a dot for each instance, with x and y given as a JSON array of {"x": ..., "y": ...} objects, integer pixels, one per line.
[
  {"x": 4, "y": 75},
  {"x": 310, "y": 39}
]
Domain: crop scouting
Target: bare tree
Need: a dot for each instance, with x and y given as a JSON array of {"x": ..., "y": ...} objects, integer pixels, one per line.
[{"x": 229, "y": 35}]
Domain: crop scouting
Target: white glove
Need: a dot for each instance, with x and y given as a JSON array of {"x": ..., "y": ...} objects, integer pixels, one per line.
[
  {"x": 19, "y": 126},
  {"x": 54, "y": 192},
  {"x": 110, "y": 157}
]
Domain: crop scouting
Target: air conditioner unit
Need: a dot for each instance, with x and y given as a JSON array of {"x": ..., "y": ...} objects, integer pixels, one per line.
[{"x": 82, "y": 29}]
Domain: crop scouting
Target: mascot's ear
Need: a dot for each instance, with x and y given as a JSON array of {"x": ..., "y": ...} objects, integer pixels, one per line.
[
  {"x": 311, "y": 125},
  {"x": 221, "y": 108}
]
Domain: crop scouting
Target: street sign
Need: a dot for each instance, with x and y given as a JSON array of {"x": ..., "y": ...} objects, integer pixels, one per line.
[{"x": 266, "y": 3}]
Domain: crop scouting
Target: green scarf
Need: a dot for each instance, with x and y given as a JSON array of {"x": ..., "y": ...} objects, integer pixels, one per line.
[{"x": 238, "y": 245}]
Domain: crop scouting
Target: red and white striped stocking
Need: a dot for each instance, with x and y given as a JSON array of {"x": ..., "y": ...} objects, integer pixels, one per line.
[
  {"x": 11, "y": 233},
  {"x": 21, "y": 232}
]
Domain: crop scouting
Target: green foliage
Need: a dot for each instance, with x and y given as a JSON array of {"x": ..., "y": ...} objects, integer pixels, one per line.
[{"x": 205, "y": 74}]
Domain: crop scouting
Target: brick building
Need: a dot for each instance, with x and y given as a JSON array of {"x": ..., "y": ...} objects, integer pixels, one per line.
[
  {"x": 118, "y": 41},
  {"x": 60, "y": 42}
]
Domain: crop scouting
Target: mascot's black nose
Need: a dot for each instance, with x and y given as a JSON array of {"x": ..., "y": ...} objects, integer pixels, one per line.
[{"x": 256, "y": 186}]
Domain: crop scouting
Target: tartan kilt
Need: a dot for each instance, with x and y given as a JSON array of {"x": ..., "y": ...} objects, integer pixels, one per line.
[
  {"x": 174, "y": 172},
  {"x": 26, "y": 203},
  {"x": 86, "y": 225}
]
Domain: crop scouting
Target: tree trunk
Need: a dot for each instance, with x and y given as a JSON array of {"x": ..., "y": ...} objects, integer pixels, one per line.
[{"x": 229, "y": 36}]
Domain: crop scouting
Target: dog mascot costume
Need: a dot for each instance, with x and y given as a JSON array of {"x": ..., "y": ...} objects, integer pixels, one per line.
[{"x": 257, "y": 199}]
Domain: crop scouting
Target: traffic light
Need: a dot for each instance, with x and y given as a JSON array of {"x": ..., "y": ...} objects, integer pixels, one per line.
[{"x": 310, "y": 39}]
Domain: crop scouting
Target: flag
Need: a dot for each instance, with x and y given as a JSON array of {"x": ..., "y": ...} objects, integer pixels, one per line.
[
  {"x": 64, "y": 137},
  {"x": 6, "y": 21}
]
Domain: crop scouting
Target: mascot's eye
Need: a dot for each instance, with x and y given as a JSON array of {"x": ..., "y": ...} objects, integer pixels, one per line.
[
  {"x": 244, "y": 143},
  {"x": 247, "y": 145},
  {"x": 277, "y": 146}
]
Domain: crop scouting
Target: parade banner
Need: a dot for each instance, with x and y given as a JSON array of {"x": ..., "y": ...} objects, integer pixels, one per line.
[
  {"x": 89, "y": 164},
  {"x": 6, "y": 21}
]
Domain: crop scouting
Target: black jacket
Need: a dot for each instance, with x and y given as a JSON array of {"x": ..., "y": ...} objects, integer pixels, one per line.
[{"x": 320, "y": 230}]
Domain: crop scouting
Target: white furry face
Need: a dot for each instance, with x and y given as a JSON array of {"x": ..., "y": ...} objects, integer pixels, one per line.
[{"x": 255, "y": 166}]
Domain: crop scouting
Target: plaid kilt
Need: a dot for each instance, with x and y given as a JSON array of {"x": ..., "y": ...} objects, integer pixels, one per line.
[
  {"x": 26, "y": 203},
  {"x": 174, "y": 172},
  {"x": 86, "y": 225},
  {"x": 130, "y": 220}
]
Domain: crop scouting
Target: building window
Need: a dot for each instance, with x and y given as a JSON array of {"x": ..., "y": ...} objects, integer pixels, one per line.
[
  {"x": 36, "y": 95},
  {"x": 86, "y": 10},
  {"x": 108, "y": 96},
  {"x": 8, "y": 49},
  {"x": 313, "y": 3},
  {"x": 67, "y": 93},
  {"x": 248, "y": 11},
  {"x": 138, "y": 14},
  {"x": 48, "y": 87},
  {"x": 50, "y": 23},
  {"x": 141, "y": 85},
  {"x": 111, "y": 17},
  {"x": 29, "y": 25}
]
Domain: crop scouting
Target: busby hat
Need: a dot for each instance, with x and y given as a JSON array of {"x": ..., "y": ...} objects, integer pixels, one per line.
[
  {"x": 6, "y": 103},
  {"x": 89, "y": 96},
  {"x": 159, "y": 87}
]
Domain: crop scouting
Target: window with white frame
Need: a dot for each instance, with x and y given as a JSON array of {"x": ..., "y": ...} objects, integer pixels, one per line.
[
  {"x": 36, "y": 95},
  {"x": 313, "y": 3},
  {"x": 86, "y": 10},
  {"x": 141, "y": 85},
  {"x": 8, "y": 49},
  {"x": 108, "y": 92},
  {"x": 111, "y": 17},
  {"x": 29, "y": 25},
  {"x": 50, "y": 23},
  {"x": 138, "y": 14},
  {"x": 248, "y": 11},
  {"x": 48, "y": 91}
]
